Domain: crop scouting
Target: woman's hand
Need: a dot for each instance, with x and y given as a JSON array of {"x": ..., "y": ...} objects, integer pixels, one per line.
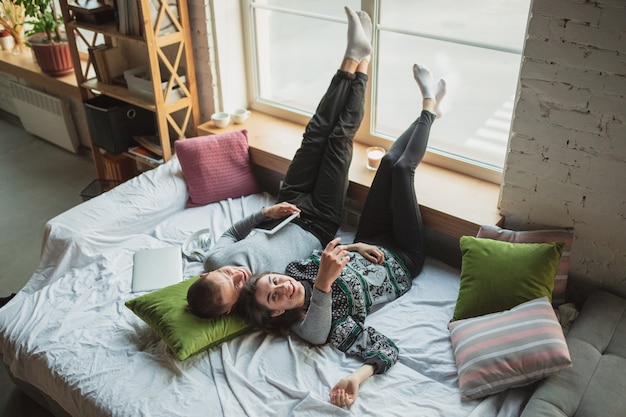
[
  {"x": 370, "y": 252},
  {"x": 280, "y": 210},
  {"x": 333, "y": 259},
  {"x": 344, "y": 393}
]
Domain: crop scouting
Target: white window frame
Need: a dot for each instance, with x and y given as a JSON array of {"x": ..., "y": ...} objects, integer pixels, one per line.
[{"x": 235, "y": 72}]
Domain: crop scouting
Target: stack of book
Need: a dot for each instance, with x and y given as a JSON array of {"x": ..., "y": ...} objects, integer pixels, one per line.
[
  {"x": 129, "y": 18},
  {"x": 148, "y": 149}
]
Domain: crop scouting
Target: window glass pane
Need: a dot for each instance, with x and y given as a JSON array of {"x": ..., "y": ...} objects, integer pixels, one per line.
[
  {"x": 324, "y": 7},
  {"x": 479, "y": 100},
  {"x": 296, "y": 57},
  {"x": 494, "y": 22},
  {"x": 473, "y": 45}
]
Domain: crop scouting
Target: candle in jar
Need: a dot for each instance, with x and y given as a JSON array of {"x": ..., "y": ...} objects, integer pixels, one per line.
[{"x": 374, "y": 155}]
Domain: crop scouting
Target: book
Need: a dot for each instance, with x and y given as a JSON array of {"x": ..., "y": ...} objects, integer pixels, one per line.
[
  {"x": 149, "y": 142},
  {"x": 128, "y": 17},
  {"x": 114, "y": 62},
  {"x": 145, "y": 154},
  {"x": 108, "y": 62},
  {"x": 97, "y": 62}
]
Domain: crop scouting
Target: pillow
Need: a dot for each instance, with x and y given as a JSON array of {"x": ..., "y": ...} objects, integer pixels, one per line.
[
  {"x": 540, "y": 236},
  {"x": 165, "y": 311},
  {"x": 216, "y": 167},
  {"x": 496, "y": 276},
  {"x": 508, "y": 349}
]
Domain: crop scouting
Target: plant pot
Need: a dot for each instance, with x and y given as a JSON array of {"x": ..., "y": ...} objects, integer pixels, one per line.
[{"x": 53, "y": 58}]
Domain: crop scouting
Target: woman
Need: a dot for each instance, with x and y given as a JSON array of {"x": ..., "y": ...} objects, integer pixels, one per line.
[
  {"x": 327, "y": 297},
  {"x": 315, "y": 187}
]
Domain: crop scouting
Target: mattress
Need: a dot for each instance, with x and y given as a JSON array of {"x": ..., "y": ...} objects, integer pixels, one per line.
[{"x": 68, "y": 335}]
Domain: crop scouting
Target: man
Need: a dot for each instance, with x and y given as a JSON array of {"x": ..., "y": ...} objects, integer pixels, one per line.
[{"x": 315, "y": 186}]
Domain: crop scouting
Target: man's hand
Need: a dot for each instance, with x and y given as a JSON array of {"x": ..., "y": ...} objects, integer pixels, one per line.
[
  {"x": 370, "y": 252},
  {"x": 280, "y": 210}
]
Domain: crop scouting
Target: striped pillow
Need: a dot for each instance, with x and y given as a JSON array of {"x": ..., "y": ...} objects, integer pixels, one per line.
[
  {"x": 539, "y": 236},
  {"x": 508, "y": 349}
]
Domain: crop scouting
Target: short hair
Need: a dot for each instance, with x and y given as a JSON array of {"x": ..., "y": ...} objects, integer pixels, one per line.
[{"x": 204, "y": 298}]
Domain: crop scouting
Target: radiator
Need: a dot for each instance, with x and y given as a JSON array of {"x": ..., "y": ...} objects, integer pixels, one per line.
[
  {"x": 45, "y": 116},
  {"x": 351, "y": 213}
]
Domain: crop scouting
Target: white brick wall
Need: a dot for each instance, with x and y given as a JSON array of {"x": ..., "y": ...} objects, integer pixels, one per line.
[{"x": 566, "y": 165}]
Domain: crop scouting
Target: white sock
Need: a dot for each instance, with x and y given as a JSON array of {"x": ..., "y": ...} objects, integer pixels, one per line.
[
  {"x": 359, "y": 46},
  {"x": 440, "y": 92},
  {"x": 424, "y": 80},
  {"x": 366, "y": 24}
]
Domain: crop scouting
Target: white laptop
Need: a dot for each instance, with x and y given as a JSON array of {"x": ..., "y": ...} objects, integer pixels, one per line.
[{"x": 157, "y": 268}]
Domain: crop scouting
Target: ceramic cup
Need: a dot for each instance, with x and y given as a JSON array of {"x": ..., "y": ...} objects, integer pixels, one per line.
[
  {"x": 240, "y": 115},
  {"x": 374, "y": 155},
  {"x": 221, "y": 119},
  {"x": 6, "y": 43}
]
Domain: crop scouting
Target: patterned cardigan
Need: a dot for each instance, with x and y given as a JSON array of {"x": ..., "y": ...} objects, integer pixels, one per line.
[{"x": 360, "y": 286}]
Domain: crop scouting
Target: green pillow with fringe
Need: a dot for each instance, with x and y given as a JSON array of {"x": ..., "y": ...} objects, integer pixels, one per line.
[{"x": 165, "y": 311}]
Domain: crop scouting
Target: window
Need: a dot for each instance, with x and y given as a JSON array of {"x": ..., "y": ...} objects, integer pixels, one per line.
[{"x": 295, "y": 46}]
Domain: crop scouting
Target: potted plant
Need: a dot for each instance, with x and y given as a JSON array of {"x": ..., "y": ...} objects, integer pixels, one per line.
[
  {"x": 11, "y": 20},
  {"x": 46, "y": 38}
]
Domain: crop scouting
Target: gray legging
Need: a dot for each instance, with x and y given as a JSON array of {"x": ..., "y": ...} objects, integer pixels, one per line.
[
  {"x": 391, "y": 215},
  {"x": 317, "y": 179}
]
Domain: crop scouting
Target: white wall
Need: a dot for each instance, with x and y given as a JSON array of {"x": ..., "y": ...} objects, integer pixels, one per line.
[{"x": 566, "y": 164}]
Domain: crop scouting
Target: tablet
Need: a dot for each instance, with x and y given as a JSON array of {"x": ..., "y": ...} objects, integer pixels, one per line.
[{"x": 274, "y": 225}]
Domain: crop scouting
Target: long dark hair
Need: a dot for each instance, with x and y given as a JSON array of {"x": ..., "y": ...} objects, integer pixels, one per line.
[{"x": 260, "y": 316}]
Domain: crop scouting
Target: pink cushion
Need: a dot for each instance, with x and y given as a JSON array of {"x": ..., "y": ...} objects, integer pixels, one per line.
[
  {"x": 539, "y": 236},
  {"x": 508, "y": 349},
  {"x": 216, "y": 167}
]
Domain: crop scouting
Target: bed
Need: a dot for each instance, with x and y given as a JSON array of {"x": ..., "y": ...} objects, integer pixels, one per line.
[{"x": 68, "y": 339}]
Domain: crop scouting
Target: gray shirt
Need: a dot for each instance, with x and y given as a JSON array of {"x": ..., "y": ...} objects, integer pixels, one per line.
[
  {"x": 260, "y": 252},
  {"x": 317, "y": 323}
]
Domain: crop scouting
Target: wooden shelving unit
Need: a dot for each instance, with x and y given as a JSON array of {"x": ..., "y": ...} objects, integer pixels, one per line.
[{"x": 169, "y": 59}]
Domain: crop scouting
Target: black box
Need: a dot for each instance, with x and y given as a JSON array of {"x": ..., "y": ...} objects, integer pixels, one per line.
[{"x": 112, "y": 123}]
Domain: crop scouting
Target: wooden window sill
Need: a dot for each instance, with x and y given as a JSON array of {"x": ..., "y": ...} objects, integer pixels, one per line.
[
  {"x": 451, "y": 202},
  {"x": 24, "y": 66}
]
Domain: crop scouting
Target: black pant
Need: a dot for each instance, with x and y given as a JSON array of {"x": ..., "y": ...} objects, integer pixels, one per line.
[
  {"x": 391, "y": 215},
  {"x": 317, "y": 178}
]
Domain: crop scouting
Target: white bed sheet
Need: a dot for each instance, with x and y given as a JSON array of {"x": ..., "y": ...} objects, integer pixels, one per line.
[{"x": 68, "y": 333}]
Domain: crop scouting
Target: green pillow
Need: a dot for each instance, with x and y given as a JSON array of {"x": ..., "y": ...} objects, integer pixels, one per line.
[
  {"x": 165, "y": 311},
  {"x": 497, "y": 275}
]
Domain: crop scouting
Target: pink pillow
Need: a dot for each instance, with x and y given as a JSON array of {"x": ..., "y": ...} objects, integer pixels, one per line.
[
  {"x": 539, "y": 236},
  {"x": 216, "y": 167}
]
